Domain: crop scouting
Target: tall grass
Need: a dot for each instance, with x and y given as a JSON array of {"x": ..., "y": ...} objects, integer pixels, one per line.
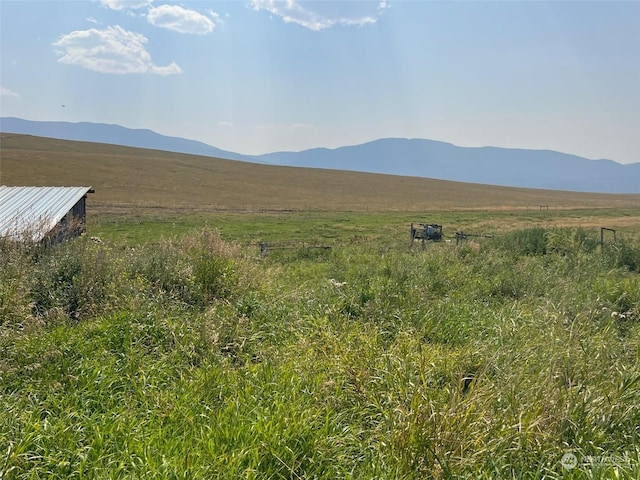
[{"x": 199, "y": 359}]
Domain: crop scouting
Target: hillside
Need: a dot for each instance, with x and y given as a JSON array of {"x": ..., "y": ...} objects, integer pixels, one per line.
[
  {"x": 487, "y": 165},
  {"x": 135, "y": 177},
  {"x": 545, "y": 169},
  {"x": 114, "y": 135}
]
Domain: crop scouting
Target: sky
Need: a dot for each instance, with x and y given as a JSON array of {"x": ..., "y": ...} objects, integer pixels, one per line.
[{"x": 258, "y": 76}]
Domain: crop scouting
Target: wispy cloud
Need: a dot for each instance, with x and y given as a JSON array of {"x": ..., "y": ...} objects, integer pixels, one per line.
[
  {"x": 5, "y": 92},
  {"x": 179, "y": 19},
  {"x": 112, "y": 50},
  {"x": 125, "y": 4},
  {"x": 322, "y": 15},
  {"x": 214, "y": 15},
  {"x": 225, "y": 124}
]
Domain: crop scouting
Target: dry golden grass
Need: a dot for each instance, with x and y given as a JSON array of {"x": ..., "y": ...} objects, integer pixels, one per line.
[{"x": 126, "y": 177}]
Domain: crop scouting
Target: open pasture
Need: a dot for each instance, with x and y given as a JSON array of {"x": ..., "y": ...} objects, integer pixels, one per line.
[
  {"x": 348, "y": 228},
  {"x": 146, "y": 195},
  {"x": 132, "y": 180}
]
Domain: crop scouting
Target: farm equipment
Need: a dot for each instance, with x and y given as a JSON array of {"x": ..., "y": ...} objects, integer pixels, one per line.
[
  {"x": 427, "y": 232},
  {"x": 462, "y": 236},
  {"x": 266, "y": 247}
]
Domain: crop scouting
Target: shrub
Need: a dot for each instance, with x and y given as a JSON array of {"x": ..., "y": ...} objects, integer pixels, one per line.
[
  {"x": 565, "y": 241},
  {"x": 214, "y": 266},
  {"x": 623, "y": 253},
  {"x": 163, "y": 270},
  {"x": 530, "y": 241},
  {"x": 73, "y": 278}
]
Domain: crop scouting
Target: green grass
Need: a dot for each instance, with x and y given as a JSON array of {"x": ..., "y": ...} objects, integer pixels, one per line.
[
  {"x": 392, "y": 228},
  {"x": 182, "y": 353}
]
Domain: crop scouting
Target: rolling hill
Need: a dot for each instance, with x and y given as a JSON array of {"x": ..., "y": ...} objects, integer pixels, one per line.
[
  {"x": 397, "y": 156},
  {"x": 487, "y": 165},
  {"x": 130, "y": 178},
  {"x": 114, "y": 135}
]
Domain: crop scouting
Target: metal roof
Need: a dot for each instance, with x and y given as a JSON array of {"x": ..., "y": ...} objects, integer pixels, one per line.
[{"x": 32, "y": 212}]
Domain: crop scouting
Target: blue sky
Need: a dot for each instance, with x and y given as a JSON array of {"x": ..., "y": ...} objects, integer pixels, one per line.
[{"x": 255, "y": 76}]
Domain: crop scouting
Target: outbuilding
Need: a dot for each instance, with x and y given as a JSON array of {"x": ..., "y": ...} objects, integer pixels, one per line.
[{"x": 42, "y": 214}]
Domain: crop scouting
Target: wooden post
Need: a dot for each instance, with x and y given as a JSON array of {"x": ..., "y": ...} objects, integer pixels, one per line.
[{"x": 602, "y": 229}]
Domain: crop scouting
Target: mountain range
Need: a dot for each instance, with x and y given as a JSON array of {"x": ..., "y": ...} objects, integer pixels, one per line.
[{"x": 544, "y": 169}]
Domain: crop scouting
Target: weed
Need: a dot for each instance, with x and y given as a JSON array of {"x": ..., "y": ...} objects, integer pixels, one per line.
[{"x": 193, "y": 358}]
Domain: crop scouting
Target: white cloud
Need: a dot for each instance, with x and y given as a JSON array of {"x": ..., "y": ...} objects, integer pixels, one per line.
[
  {"x": 178, "y": 19},
  {"x": 93, "y": 20},
  {"x": 225, "y": 124},
  {"x": 320, "y": 15},
  {"x": 112, "y": 50},
  {"x": 5, "y": 92},
  {"x": 122, "y": 4},
  {"x": 213, "y": 14}
]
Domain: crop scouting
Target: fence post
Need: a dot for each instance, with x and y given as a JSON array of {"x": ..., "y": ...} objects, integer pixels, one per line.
[{"x": 602, "y": 229}]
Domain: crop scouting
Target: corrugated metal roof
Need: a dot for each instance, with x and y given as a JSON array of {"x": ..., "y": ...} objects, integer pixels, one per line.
[{"x": 32, "y": 212}]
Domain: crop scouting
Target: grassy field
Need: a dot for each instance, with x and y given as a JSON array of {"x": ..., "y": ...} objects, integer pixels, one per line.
[
  {"x": 137, "y": 180},
  {"x": 173, "y": 349},
  {"x": 340, "y": 228},
  {"x": 198, "y": 358}
]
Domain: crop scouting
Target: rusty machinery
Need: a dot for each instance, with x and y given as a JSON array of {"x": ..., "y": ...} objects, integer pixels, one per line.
[{"x": 426, "y": 232}]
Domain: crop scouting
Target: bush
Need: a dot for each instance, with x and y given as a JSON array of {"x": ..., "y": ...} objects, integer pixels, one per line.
[
  {"x": 565, "y": 241},
  {"x": 76, "y": 278},
  {"x": 163, "y": 270},
  {"x": 215, "y": 267},
  {"x": 530, "y": 241},
  {"x": 80, "y": 279},
  {"x": 624, "y": 254}
]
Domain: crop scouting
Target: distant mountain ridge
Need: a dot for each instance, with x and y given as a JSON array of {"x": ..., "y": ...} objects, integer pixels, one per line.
[
  {"x": 544, "y": 169},
  {"x": 486, "y": 165},
  {"x": 116, "y": 135}
]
